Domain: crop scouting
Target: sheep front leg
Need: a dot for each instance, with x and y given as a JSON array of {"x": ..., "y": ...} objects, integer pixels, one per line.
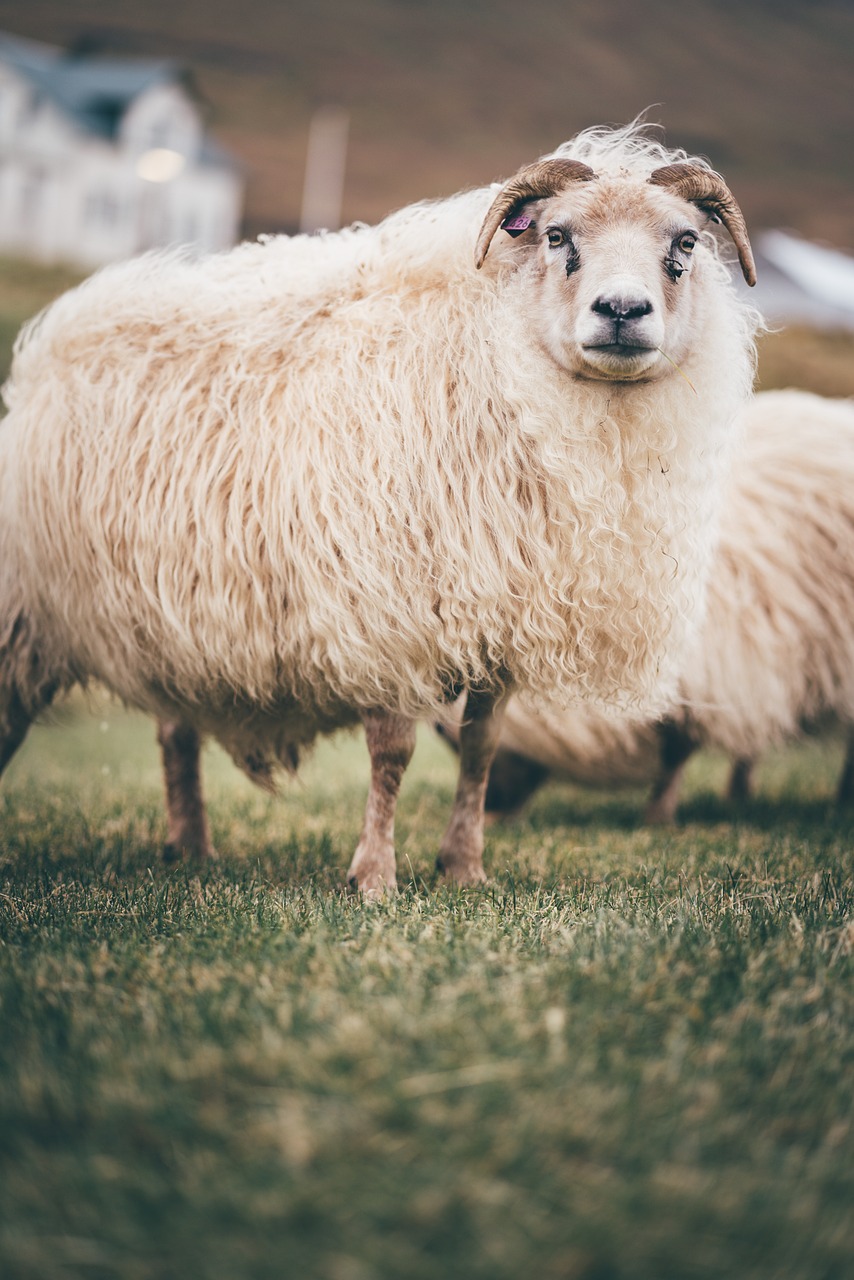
[
  {"x": 740, "y": 785},
  {"x": 461, "y": 852},
  {"x": 391, "y": 742},
  {"x": 187, "y": 830},
  {"x": 676, "y": 746},
  {"x": 513, "y": 778}
]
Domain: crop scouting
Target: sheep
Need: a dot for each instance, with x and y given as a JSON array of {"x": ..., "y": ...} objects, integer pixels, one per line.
[
  {"x": 776, "y": 652},
  {"x": 315, "y": 481}
]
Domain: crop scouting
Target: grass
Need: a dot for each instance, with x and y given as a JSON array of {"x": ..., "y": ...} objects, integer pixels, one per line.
[
  {"x": 629, "y": 1056},
  {"x": 813, "y": 360},
  {"x": 26, "y": 287}
]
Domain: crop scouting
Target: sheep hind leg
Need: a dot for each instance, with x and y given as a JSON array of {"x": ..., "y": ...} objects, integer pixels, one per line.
[
  {"x": 676, "y": 747},
  {"x": 845, "y": 789},
  {"x": 26, "y": 687},
  {"x": 513, "y": 779},
  {"x": 188, "y": 835},
  {"x": 391, "y": 742},
  {"x": 461, "y": 852},
  {"x": 15, "y": 720}
]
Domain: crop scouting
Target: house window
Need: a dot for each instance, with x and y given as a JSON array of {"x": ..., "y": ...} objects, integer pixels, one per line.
[{"x": 108, "y": 112}]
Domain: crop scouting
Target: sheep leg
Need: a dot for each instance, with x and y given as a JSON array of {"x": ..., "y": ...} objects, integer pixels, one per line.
[
  {"x": 740, "y": 785},
  {"x": 187, "y": 831},
  {"x": 461, "y": 852},
  {"x": 15, "y": 720},
  {"x": 26, "y": 688},
  {"x": 676, "y": 746},
  {"x": 391, "y": 742},
  {"x": 513, "y": 777},
  {"x": 845, "y": 790}
]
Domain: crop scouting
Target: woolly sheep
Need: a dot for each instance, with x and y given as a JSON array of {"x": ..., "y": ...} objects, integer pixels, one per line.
[
  {"x": 314, "y": 481},
  {"x": 776, "y": 653}
]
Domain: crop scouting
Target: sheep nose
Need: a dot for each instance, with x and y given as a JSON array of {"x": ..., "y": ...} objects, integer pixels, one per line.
[{"x": 619, "y": 308}]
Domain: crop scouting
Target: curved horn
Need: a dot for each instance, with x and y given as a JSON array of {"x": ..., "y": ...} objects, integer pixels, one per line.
[
  {"x": 534, "y": 182},
  {"x": 708, "y": 191}
]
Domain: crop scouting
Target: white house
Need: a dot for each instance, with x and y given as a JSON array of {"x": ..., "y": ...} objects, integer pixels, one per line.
[{"x": 101, "y": 158}]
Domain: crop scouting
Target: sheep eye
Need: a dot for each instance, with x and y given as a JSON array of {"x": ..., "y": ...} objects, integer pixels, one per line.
[
  {"x": 555, "y": 237},
  {"x": 685, "y": 243}
]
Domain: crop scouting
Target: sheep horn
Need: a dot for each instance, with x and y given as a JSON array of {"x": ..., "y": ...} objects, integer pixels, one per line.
[
  {"x": 709, "y": 192},
  {"x": 534, "y": 182}
]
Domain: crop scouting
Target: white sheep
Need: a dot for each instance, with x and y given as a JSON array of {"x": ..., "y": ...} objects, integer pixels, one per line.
[
  {"x": 776, "y": 652},
  {"x": 321, "y": 480}
]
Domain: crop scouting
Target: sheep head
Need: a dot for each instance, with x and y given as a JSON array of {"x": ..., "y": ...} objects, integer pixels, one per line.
[{"x": 614, "y": 264}]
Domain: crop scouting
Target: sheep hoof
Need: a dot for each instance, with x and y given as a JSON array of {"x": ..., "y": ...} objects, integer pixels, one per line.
[
  {"x": 174, "y": 853},
  {"x": 461, "y": 873},
  {"x": 657, "y": 817},
  {"x": 371, "y": 888}
]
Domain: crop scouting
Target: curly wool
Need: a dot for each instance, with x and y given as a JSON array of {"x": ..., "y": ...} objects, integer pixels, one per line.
[
  {"x": 778, "y": 646},
  {"x": 269, "y": 488},
  {"x": 776, "y": 651}
]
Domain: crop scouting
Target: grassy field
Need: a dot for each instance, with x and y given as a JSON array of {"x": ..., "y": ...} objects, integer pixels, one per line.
[
  {"x": 629, "y": 1056},
  {"x": 25, "y": 288}
]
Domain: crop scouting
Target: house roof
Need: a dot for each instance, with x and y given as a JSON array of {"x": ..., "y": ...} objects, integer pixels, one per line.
[{"x": 94, "y": 92}]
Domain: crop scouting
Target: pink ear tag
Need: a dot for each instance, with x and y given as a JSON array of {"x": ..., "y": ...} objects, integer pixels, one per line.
[{"x": 515, "y": 226}]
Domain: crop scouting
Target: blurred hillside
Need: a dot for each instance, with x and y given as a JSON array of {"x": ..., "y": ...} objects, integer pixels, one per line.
[{"x": 450, "y": 93}]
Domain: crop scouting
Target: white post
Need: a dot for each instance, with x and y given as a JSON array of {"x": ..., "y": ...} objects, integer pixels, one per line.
[{"x": 324, "y": 170}]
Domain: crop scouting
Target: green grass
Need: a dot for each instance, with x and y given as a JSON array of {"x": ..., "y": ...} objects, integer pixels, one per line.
[
  {"x": 26, "y": 287},
  {"x": 629, "y": 1056}
]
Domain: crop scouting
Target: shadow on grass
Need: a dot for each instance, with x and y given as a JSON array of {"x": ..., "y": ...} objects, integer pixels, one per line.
[
  {"x": 809, "y": 815},
  {"x": 586, "y": 810}
]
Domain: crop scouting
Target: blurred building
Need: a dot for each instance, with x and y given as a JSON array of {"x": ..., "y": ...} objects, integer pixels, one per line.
[
  {"x": 101, "y": 158},
  {"x": 803, "y": 283}
]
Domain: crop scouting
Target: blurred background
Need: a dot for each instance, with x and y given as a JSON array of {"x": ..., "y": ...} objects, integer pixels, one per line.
[{"x": 127, "y": 126}]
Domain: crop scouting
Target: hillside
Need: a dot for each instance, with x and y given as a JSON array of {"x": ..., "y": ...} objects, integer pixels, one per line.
[{"x": 448, "y": 93}]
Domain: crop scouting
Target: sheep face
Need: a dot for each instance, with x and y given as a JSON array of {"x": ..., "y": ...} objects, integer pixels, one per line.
[
  {"x": 614, "y": 283},
  {"x": 614, "y": 277}
]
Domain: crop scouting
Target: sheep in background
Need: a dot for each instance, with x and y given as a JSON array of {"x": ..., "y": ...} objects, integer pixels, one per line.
[
  {"x": 776, "y": 652},
  {"x": 322, "y": 480}
]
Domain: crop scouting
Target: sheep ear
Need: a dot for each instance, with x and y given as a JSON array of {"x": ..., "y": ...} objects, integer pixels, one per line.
[
  {"x": 708, "y": 191},
  {"x": 534, "y": 182}
]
